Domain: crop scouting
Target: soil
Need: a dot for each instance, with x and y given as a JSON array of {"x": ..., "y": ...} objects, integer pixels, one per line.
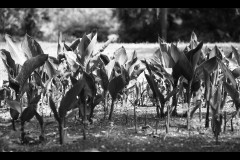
[{"x": 119, "y": 135}]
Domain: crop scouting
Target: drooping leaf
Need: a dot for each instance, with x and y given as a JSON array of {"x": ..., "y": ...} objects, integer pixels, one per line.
[
  {"x": 115, "y": 86},
  {"x": 14, "y": 105},
  {"x": 29, "y": 66},
  {"x": 31, "y": 47},
  {"x": 69, "y": 98},
  {"x": 121, "y": 56},
  {"x": 227, "y": 73},
  {"x": 17, "y": 55}
]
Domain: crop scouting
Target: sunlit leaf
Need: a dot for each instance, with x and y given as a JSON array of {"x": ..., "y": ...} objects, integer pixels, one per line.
[
  {"x": 31, "y": 47},
  {"x": 227, "y": 73},
  {"x": 17, "y": 55},
  {"x": 14, "y": 105},
  {"x": 121, "y": 56},
  {"x": 236, "y": 54}
]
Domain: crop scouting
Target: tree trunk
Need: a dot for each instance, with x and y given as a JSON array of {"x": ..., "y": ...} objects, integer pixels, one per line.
[{"x": 164, "y": 22}]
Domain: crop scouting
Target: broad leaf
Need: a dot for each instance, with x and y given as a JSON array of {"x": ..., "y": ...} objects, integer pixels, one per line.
[
  {"x": 165, "y": 53},
  {"x": 90, "y": 88},
  {"x": 207, "y": 83},
  {"x": 98, "y": 99},
  {"x": 72, "y": 60},
  {"x": 105, "y": 59},
  {"x": 35, "y": 100},
  {"x": 236, "y": 72},
  {"x": 115, "y": 86},
  {"x": 215, "y": 52},
  {"x": 216, "y": 100},
  {"x": 69, "y": 98},
  {"x": 210, "y": 66},
  {"x": 29, "y": 66},
  {"x": 31, "y": 47},
  {"x": 132, "y": 60},
  {"x": 102, "y": 73},
  {"x": 233, "y": 93},
  {"x": 121, "y": 56},
  {"x": 5, "y": 55},
  {"x": 75, "y": 44},
  {"x": 28, "y": 114},
  {"x": 86, "y": 48},
  {"x": 227, "y": 73},
  {"x": 154, "y": 87},
  {"x": 109, "y": 68},
  {"x": 54, "y": 109},
  {"x": 14, "y": 105},
  {"x": 182, "y": 62},
  {"x": 14, "y": 114},
  {"x": 236, "y": 54},
  {"x": 136, "y": 72},
  {"x": 17, "y": 55},
  {"x": 194, "y": 55}
]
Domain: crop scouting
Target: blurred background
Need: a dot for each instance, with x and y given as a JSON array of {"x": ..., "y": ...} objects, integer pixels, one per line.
[{"x": 131, "y": 25}]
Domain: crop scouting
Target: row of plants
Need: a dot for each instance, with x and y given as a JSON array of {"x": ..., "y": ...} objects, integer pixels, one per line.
[{"x": 81, "y": 77}]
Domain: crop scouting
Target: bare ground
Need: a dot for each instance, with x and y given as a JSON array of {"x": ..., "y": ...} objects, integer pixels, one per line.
[{"x": 119, "y": 136}]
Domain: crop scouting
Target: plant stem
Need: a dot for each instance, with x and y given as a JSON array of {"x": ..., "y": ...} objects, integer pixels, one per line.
[
  {"x": 61, "y": 133},
  {"x": 189, "y": 103},
  {"x": 207, "y": 115},
  {"x": 111, "y": 111},
  {"x": 135, "y": 118},
  {"x": 167, "y": 120}
]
